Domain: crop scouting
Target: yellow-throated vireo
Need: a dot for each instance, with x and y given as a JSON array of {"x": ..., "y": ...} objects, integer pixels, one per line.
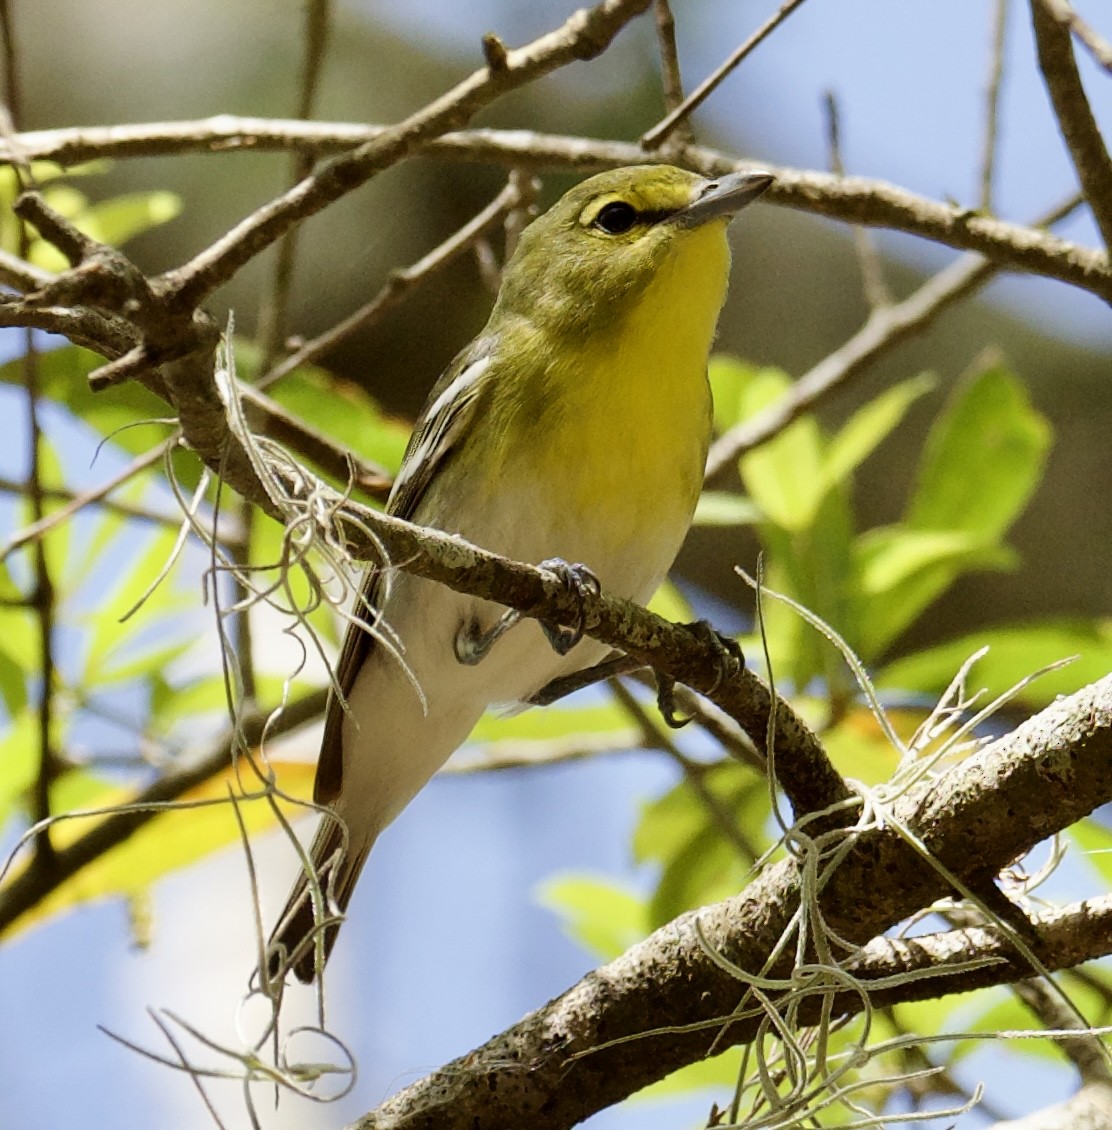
[{"x": 574, "y": 427}]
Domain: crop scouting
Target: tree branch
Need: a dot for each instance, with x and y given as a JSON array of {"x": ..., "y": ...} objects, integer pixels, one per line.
[
  {"x": 31, "y": 885},
  {"x": 664, "y": 1002},
  {"x": 586, "y": 34},
  {"x": 1075, "y": 116},
  {"x": 849, "y": 199}
]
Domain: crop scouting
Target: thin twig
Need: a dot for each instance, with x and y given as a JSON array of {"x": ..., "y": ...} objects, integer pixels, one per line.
[
  {"x": 31, "y": 885},
  {"x": 273, "y": 322},
  {"x": 694, "y": 773},
  {"x": 1085, "y": 1051},
  {"x": 584, "y": 35},
  {"x": 42, "y": 595},
  {"x": 1075, "y": 116},
  {"x": 1098, "y": 47},
  {"x": 656, "y": 136},
  {"x": 65, "y": 494},
  {"x": 884, "y": 329},
  {"x": 671, "y": 78},
  {"x": 876, "y": 289},
  {"x": 321, "y": 450},
  {"x": 274, "y": 316},
  {"x": 39, "y": 529},
  {"x": 995, "y": 82},
  {"x": 401, "y": 282}
]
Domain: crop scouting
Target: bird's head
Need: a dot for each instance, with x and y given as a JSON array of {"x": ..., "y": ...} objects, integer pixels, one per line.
[{"x": 602, "y": 243}]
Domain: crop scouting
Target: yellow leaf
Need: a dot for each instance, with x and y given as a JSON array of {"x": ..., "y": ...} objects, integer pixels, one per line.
[{"x": 201, "y": 822}]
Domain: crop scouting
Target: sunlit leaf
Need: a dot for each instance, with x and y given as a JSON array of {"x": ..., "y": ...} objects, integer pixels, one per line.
[
  {"x": 783, "y": 477},
  {"x": 345, "y": 412},
  {"x": 1094, "y": 841},
  {"x": 63, "y": 378},
  {"x": 1014, "y": 652},
  {"x": 118, "y": 219},
  {"x": 171, "y": 841},
  {"x": 19, "y": 760},
  {"x": 901, "y": 571},
  {"x": 728, "y": 378},
  {"x": 671, "y": 604},
  {"x": 983, "y": 458},
  {"x": 863, "y": 432},
  {"x": 557, "y": 721},
  {"x": 601, "y": 916},
  {"x": 721, "y": 508},
  {"x": 717, "y": 1073},
  {"x": 110, "y": 641}
]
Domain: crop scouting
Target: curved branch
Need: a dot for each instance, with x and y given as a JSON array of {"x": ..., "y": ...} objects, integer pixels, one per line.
[
  {"x": 850, "y": 199},
  {"x": 653, "y": 1009}
]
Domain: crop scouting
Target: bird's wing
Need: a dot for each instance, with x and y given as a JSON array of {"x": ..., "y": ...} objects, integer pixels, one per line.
[{"x": 450, "y": 408}]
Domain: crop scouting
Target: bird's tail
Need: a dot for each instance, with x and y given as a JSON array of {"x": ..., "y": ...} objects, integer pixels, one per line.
[{"x": 336, "y": 866}]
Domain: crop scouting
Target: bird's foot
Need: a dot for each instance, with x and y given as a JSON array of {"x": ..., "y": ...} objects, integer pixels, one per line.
[
  {"x": 583, "y": 584},
  {"x": 561, "y": 687},
  {"x": 729, "y": 657},
  {"x": 727, "y": 651},
  {"x": 472, "y": 644}
]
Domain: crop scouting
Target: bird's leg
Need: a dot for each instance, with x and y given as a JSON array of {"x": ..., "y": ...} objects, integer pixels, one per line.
[
  {"x": 616, "y": 664},
  {"x": 473, "y": 644},
  {"x": 580, "y": 581},
  {"x": 728, "y": 655}
]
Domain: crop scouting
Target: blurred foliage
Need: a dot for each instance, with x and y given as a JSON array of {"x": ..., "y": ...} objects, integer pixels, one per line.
[
  {"x": 984, "y": 458},
  {"x": 139, "y": 657}
]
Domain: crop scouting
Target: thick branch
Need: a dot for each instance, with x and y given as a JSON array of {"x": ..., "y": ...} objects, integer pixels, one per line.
[
  {"x": 562, "y": 1063},
  {"x": 850, "y": 199}
]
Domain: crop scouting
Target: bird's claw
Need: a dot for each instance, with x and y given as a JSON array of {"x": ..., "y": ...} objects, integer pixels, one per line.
[
  {"x": 728, "y": 654},
  {"x": 472, "y": 644},
  {"x": 583, "y": 584},
  {"x": 666, "y": 701}
]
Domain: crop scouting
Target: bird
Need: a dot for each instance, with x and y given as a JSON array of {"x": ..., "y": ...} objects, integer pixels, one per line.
[{"x": 572, "y": 431}]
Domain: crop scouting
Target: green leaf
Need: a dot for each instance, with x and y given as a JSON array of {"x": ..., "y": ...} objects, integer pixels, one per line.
[
  {"x": 63, "y": 378},
  {"x": 57, "y": 541},
  {"x": 557, "y": 722},
  {"x": 717, "y": 1073},
  {"x": 729, "y": 377},
  {"x": 13, "y": 680},
  {"x": 722, "y": 508},
  {"x": 1015, "y": 651},
  {"x": 784, "y": 477},
  {"x": 864, "y": 431},
  {"x": 117, "y": 220},
  {"x": 699, "y": 863},
  {"x": 111, "y": 641},
  {"x": 899, "y": 572},
  {"x": 706, "y": 869},
  {"x": 983, "y": 458},
  {"x": 601, "y": 916},
  {"x": 19, "y": 760},
  {"x": 345, "y": 412},
  {"x": 1094, "y": 841},
  {"x": 670, "y": 603}
]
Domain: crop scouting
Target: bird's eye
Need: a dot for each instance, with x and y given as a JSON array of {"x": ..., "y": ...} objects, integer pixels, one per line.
[{"x": 616, "y": 218}]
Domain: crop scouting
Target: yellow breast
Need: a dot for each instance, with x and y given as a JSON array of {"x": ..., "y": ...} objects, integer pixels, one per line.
[{"x": 641, "y": 402}]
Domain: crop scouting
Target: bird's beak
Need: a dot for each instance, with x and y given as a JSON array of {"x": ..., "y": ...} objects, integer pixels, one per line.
[{"x": 723, "y": 197}]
